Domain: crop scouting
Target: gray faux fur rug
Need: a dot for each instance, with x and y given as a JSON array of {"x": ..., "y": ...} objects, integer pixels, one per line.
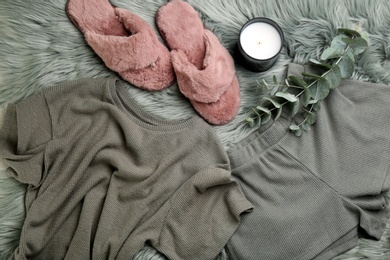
[{"x": 40, "y": 47}]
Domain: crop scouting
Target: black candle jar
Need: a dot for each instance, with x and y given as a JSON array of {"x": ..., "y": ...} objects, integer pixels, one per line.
[{"x": 253, "y": 58}]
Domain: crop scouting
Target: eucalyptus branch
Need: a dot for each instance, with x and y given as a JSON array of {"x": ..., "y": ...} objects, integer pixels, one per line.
[{"x": 338, "y": 60}]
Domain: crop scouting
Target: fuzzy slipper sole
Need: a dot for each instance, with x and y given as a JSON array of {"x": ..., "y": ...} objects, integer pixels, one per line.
[{"x": 125, "y": 43}]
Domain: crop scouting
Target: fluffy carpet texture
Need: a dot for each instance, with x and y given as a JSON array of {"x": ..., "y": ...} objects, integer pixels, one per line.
[{"x": 41, "y": 47}]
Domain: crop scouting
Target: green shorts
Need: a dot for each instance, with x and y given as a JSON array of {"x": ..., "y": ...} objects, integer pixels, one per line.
[{"x": 312, "y": 194}]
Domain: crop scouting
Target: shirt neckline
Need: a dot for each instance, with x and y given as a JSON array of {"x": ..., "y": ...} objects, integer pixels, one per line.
[{"x": 137, "y": 114}]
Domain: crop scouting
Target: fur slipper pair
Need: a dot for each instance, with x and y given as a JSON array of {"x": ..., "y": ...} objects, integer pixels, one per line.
[{"x": 129, "y": 46}]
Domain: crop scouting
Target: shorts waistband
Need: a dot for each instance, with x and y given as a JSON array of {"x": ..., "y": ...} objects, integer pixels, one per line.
[
  {"x": 259, "y": 141},
  {"x": 267, "y": 135}
]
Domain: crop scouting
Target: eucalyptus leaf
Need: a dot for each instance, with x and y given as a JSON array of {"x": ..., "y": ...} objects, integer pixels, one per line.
[
  {"x": 349, "y": 32},
  {"x": 306, "y": 98},
  {"x": 339, "y": 43},
  {"x": 350, "y": 54},
  {"x": 321, "y": 64},
  {"x": 346, "y": 67},
  {"x": 320, "y": 89},
  {"x": 359, "y": 45},
  {"x": 273, "y": 101},
  {"x": 258, "y": 121},
  {"x": 263, "y": 109},
  {"x": 298, "y": 81},
  {"x": 306, "y": 127},
  {"x": 333, "y": 76},
  {"x": 298, "y": 133},
  {"x": 265, "y": 118},
  {"x": 286, "y": 82},
  {"x": 250, "y": 121},
  {"x": 310, "y": 117},
  {"x": 294, "y": 127},
  {"x": 287, "y": 96},
  {"x": 274, "y": 90},
  {"x": 275, "y": 80},
  {"x": 316, "y": 106},
  {"x": 278, "y": 113},
  {"x": 310, "y": 75},
  {"x": 331, "y": 53},
  {"x": 364, "y": 35},
  {"x": 294, "y": 107}
]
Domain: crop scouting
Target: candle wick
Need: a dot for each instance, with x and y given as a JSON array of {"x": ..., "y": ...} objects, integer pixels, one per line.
[{"x": 259, "y": 43}]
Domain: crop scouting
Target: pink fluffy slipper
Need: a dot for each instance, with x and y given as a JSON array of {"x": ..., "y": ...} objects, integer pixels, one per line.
[
  {"x": 222, "y": 111},
  {"x": 124, "y": 41},
  {"x": 204, "y": 68}
]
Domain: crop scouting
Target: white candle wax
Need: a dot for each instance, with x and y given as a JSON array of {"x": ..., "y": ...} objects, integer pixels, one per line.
[{"x": 260, "y": 40}]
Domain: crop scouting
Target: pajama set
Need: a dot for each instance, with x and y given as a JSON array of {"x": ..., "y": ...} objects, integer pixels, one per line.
[
  {"x": 105, "y": 177},
  {"x": 312, "y": 194}
]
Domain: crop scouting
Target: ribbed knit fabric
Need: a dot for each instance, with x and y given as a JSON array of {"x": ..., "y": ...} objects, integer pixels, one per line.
[
  {"x": 104, "y": 177},
  {"x": 311, "y": 194}
]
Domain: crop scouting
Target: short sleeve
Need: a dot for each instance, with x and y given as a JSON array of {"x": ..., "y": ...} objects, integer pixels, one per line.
[
  {"x": 25, "y": 132},
  {"x": 204, "y": 214}
]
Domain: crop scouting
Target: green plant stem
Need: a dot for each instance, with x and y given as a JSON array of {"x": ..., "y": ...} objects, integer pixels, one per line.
[
  {"x": 340, "y": 57},
  {"x": 310, "y": 85}
]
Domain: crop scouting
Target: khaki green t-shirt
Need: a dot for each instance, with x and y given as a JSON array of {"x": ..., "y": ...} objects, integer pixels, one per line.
[{"x": 105, "y": 177}]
